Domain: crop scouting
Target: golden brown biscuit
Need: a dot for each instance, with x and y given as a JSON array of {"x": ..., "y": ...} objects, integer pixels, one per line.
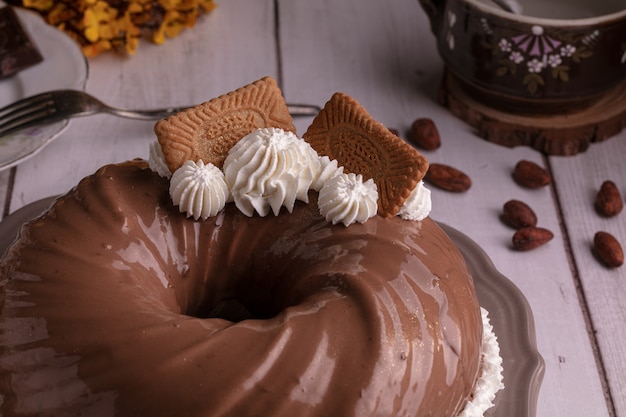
[
  {"x": 209, "y": 130},
  {"x": 345, "y": 131}
]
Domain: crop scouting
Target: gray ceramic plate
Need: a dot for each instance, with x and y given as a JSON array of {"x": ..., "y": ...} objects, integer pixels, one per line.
[{"x": 509, "y": 312}]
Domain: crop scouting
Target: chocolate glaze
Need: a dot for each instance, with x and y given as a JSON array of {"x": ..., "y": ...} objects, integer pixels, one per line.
[{"x": 109, "y": 301}]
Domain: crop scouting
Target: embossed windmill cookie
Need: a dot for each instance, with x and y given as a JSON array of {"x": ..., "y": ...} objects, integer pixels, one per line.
[
  {"x": 345, "y": 131},
  {"x": 209, "y": 130}
]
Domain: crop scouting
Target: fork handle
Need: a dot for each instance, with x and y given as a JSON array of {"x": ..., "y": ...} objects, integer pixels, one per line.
[
  {"x": 296, "y": 110},
  {"x": 146, "y": 114}
]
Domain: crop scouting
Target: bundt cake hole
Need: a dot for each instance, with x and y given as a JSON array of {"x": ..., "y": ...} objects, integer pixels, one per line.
[
  {"x": 235, "y": 310},
  {"x": 230, "y": 309}
]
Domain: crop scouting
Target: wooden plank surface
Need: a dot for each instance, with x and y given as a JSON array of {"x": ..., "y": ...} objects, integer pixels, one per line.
[{"x": 578, "y": 180}]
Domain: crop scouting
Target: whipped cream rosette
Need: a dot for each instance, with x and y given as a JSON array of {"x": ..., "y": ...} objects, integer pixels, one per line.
[
  {"x": 418, "y": 205},
  {"x": 346, "y": 198},
  {"x": 156, "y": 160},
  {"x": 268, "y": 169},
  {"x": 199, "y": 190},
  {"x": 329, "y": 168},
  {"x": 491, "y": 379}
]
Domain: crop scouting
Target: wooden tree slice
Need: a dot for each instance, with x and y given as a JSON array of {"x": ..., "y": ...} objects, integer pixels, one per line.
[{"x": 552, "y": 134}]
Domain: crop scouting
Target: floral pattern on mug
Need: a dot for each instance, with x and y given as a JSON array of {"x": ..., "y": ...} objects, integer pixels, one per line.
[{"x": 538, "y": 54}]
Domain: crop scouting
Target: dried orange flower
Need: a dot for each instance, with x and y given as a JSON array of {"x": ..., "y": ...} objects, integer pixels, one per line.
[{"x": 104, "y": 25}]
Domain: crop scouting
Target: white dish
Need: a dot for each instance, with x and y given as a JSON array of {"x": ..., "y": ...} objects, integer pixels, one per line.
[{"x": 63, "y": 67}]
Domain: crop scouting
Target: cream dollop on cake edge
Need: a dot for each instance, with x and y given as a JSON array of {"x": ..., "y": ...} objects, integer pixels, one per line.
[
  {"x": 271, "y": 168},
  {"x": 490, "y": 380},
  {"x": 199, "y": 190},
  {"x": 346, "y": 198}
]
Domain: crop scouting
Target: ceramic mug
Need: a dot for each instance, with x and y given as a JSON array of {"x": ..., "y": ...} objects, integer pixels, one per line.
[{"x": 532, "y": 55}]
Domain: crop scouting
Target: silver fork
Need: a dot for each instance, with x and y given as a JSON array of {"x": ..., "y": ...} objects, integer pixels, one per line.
[{"x": 53, "y": 106}]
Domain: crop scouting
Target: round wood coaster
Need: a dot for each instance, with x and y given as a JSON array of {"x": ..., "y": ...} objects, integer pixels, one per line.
[{"x": 553, "y": 134}]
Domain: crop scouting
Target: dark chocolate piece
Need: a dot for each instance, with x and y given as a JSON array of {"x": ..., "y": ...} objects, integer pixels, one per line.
[{"x": 17, "y": 51}]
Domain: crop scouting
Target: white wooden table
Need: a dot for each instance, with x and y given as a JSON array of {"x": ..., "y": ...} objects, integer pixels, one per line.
[{"x": 382, "y": 53}]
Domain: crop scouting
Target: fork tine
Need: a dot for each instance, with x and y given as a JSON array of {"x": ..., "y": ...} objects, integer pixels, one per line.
[
  {"x": 26, "y": 113},
  {"x": 25, "y": 102},
  {"x": 22, "y": 111},
  {"x": 28, "y": 120}
]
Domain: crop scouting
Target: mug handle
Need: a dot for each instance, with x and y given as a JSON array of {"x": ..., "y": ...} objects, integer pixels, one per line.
[{"x": 434, "y": 10}]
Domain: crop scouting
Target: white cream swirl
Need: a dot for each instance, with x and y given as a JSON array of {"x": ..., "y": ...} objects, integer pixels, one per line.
[
  {"x": 199, "y": 190},
  {"x": 418, "y": 205},
  {"x": 156, "y": 160},
  {"x": 347, "y": 199},
  {"x": 490, "y": 380},
  {"x": 329, "y": 168},
  {"x": 268, "y": 169}
]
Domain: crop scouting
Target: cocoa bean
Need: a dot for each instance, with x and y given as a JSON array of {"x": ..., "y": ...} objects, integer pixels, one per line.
[
  {"x": 528, "y": 238},
  {"x": 447, "y": 178},
  {"x": 518, "y": 214},
  {"x": 529, "y": 174},
  {"x": 424, "y": 134},
  {"x": 608, "y": 249},
  {"x": 608, "y": 200}
]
